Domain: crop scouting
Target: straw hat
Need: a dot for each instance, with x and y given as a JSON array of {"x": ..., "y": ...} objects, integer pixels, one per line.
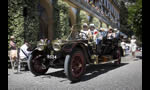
[
  {"x": 85, "y": 24},
  {"x": 110, "y": 28},
  {"x": 12, "y": 37},
  {"x": 115, "y": 29},
  {"x": 92, "y": 25}
]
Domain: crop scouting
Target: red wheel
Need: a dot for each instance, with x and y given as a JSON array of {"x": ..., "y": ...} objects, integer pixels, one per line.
[{"x": 75, "y": 65}]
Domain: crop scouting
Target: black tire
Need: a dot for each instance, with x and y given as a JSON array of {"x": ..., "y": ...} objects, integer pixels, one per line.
[
  {"x": 35, "y": 65},
  {"x": 118, "y": 53},
  {"x": 75, "y": 65},
  {"x": 121, "y": 51}
]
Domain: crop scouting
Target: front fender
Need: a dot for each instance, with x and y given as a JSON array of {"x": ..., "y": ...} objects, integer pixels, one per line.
[
  {"x": 35, "y": 51},
  {"x": 68, "y": 48}
]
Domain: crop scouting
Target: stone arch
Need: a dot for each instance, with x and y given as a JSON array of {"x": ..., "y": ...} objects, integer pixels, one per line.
[
  {"x": 47, "y": 5},
  {"x": 72, "y": 15}
]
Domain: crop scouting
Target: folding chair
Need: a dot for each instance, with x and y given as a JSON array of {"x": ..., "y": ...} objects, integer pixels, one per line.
[{"x": 23, "y": 60}]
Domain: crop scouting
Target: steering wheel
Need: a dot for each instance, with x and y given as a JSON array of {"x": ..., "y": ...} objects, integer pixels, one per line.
[{"x": 84, "y": 35}]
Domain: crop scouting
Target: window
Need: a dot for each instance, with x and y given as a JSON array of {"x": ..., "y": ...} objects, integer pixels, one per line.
[
  {"x": 86, "y": 1},
  {"x": 97, "y": 3},
  {"x": 107, "y": 4},
  {"x": 74, "y": 10},
  {"x": 104, "y": 2}
]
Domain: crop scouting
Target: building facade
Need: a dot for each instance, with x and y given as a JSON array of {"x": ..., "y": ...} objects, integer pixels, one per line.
[{"x": 106, "y": 11}]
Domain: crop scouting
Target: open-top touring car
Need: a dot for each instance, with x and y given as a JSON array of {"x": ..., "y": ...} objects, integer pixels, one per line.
[{"x": 73, "y": 54}]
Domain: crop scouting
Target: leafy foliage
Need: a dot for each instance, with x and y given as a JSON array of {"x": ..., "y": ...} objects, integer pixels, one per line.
[
  {"x": 135, "y": 18},
  {"x": 83, "y": 17},
  {"x": 61, "y": 20},
  {"x": 124, "y": 26},
  {"x": 137, "y": 23},
  {"x": 32, "y": 21},
  {"x": 21, "y": 26},
  {"x": 15, "y": 20}
]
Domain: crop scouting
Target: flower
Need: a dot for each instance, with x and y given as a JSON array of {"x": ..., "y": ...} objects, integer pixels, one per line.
[{"x": 95, "y": 32}]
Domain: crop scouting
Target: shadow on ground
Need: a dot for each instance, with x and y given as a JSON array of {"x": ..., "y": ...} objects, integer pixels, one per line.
[
  {"x": 140, "y": 57},
  {"x": 92, "y": 71},
  {"x": 96, "y": 70}
]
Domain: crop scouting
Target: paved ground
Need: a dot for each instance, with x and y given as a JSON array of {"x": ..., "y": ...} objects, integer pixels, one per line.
[{"x": 127, "y": 76}]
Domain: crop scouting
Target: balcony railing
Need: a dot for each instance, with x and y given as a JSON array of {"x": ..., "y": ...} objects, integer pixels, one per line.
[{"x": 91, "y": 10}]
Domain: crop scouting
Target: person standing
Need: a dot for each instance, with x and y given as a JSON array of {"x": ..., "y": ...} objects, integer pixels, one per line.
[
  {"x": 133, "y": 46},
  {"x": 13, "y": 52}
]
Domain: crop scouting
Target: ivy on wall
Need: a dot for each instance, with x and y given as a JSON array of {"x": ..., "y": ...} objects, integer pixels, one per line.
[
  {"x": 23, "y": 23},
  {"x": 23, "y": 20},
  {"x": 15, "y": 20},
  {"x": 83, "y": 17},
  {"x": 32, "y": 21},
  {"x": 96, "y": 22},
  {"x": 61, "y": 19}
]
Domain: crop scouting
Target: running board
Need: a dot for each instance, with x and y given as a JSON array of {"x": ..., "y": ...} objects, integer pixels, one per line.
[{"x": 111, "y": 61}]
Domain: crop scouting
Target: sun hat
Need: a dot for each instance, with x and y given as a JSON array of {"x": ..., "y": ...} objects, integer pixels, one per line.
[
  {"x": 12, "y": 37},
  {"x": 85, "y": 24},
  {"x": 92, "y": 25}
]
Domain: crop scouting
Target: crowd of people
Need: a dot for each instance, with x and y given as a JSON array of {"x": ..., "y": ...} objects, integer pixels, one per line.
[
  {"x": 90, "y": 32},
  {"x": 97, "y": 35},
  {"x": 17, "y": 54}
]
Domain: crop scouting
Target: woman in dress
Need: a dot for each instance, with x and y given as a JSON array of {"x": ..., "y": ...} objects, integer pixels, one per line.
[{"x": 133, "y": 46}]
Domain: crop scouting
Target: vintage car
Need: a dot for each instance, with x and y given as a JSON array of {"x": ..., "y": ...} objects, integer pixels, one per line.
[{"x": 73, "y": 54}]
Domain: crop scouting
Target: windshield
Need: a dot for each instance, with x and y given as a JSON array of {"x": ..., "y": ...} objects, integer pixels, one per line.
[{"x": 74, "y": 34}]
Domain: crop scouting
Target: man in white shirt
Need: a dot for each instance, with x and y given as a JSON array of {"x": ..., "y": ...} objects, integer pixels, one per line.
[
  {"x": 110, "y": 34},
  {"x": 92, "y": 29},
  {"x": 116, "y": 33},
  {"x": 84, "y": 31},
  {"x": 23, "y": 51},
  {"x": 123, "y": 45}
]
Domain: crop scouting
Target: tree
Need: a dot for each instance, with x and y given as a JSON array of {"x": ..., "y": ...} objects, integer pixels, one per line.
[
  {"x": 124, "y": 26},
  {"x": 61, "y": 21},
  {"x": 137, "y": 24},
  {"x": 15, "y": 20},
  {"x": 23, "y": 22},
  {"x": 135, "y": 18}
]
